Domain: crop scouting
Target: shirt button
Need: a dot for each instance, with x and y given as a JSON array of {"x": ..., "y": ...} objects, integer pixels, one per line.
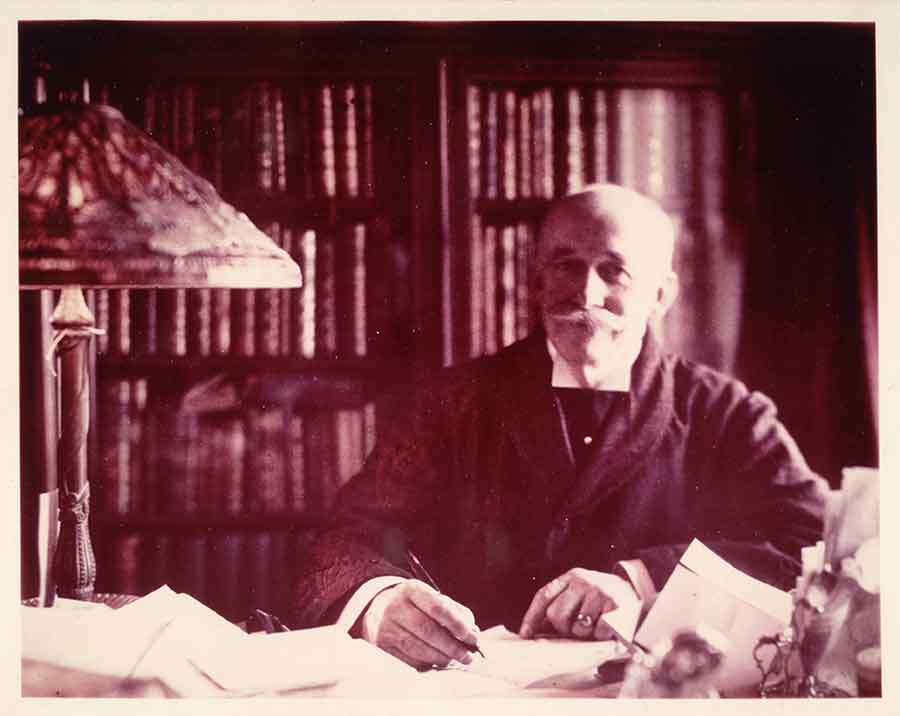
[{"x": 588, "y": 439}]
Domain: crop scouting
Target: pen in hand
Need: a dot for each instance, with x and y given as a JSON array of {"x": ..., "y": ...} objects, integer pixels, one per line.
[{"x": 418, "y": 569}]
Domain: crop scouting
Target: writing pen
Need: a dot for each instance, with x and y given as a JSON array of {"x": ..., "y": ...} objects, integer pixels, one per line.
[{"x": 418, "y": 569}]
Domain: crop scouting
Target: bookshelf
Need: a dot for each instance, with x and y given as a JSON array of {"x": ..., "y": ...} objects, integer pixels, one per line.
[
  {"x": 534, "y": 129},
  {"x": 225, "y": 421},
  {"x": 408, "y": 185},
  {"x": 228, "y": 419}
]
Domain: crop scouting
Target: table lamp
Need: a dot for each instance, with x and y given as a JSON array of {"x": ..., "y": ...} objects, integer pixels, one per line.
[{"x": 103, "y": 205}]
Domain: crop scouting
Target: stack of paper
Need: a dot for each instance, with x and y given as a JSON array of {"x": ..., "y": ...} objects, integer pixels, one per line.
[
  {"x": 705, "y": 589},
  {"x": 192, "y": 649}
]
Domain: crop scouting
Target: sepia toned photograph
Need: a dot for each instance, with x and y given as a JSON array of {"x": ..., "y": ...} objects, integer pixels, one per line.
[{"x": 448, "y": 359}]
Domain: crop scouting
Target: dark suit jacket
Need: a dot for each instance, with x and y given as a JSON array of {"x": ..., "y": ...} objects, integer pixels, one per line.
[{"x": 479, "y": 480}]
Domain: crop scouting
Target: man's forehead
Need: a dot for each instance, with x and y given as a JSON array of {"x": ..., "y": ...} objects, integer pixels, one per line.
[{"x": 609, "y": 218}]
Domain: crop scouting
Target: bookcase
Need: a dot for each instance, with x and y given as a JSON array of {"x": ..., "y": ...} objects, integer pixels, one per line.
[
  {"x": 408, "y": 186},
  {"x": 226, "y": 420},
  {"x": 534, "y": 129}
]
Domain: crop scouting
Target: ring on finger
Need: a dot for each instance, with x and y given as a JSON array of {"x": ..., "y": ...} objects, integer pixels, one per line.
[{"x": 584, "y": 620}]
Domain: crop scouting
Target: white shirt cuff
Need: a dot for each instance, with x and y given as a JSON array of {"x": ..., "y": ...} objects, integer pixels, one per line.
[
  {"x": 361, "y": 598},
  {"x": 639, "y": 578}
]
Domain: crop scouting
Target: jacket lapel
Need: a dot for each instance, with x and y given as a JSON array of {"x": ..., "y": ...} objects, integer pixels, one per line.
[
  {"x": 532, "y": 421},
  {"x": 650, "y": 410}
]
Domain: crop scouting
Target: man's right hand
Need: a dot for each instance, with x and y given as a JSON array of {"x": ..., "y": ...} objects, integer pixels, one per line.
[{"x": 420, "y": 626}]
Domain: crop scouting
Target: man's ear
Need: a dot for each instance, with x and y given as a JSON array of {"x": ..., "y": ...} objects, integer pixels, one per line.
[{"x": 666, "y": 295}]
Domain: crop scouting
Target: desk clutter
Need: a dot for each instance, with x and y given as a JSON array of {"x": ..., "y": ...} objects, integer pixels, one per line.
[{"x": 711, "y": 631}]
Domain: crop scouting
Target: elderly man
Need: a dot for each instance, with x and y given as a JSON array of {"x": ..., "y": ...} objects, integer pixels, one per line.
[{"x": 547, "y": 484}]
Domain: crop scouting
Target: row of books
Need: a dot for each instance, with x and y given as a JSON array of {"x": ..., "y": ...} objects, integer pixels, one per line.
[
  {"x": 308, "y": 140},
  {"x": 232, "y": 572},
  {"x": 500, "y": 265},
  {"x": 159, "y": 455},
  {"x": 328, "y": 317},
  {"x": 539, "y": 142}
]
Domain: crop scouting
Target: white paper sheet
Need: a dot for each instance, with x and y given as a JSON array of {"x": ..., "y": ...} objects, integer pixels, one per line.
[{"x": 705, "y": 589}]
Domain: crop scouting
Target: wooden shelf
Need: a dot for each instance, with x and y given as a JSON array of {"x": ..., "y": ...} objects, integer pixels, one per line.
[
  {"x": 210, "y": 522},
  {"x": 115, "y": 364}
]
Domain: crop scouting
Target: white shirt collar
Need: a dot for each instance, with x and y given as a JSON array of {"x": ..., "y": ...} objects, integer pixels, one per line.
[{"x": 566, "y": 375}]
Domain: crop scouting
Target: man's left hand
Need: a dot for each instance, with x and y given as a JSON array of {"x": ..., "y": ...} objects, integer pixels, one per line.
[{"x": 571, "y": 605}]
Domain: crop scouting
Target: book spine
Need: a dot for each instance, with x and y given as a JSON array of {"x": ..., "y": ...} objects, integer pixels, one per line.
[
  {"x": 320, "y": 459},
  {"x": 266, "y": 478},
  {"x": 491, "y": 145},
  {"x": 631, "y": 163},
  {"x": 658, "y": 168},
  {"x": 326, "y": 298},
  {"x": 226, "y": 579},
  {"x": 137, "y": 421},
  {"x": 370, "y": 429},
  {"x": 282, "y": 579},
  {"x": 508, "y": 285},
  {"x": 508, "y": 143},
  {"x": 526, "y": 142},
  {"x": 119, "y": 322},
  {"x": 279, "y": 132},
  {"x": 296, "y": 464},
  {"x": 150, "y": 487},
  {"x": 303, "y": 300},
  {"x": 366, "y": 153},
  {"x": 490, "y": 289},
  {"x": 600, "y": 137},
  {"x": 220, "y": 321},
  {"x": 243, "y": 321},
  {"x": 263, "y": 138},
  {"x": 142, "y": 317},
  {"x": 350, "y": 291},
  {"x": 188, "y": 448},
  {"x": 155, "y": 561},
  {"x": 574, "y": 142},
  {"x": 115, "y": 446},
  {"x": 477, "y": 291},
  {"x": 360, "y": 337},
  {"x": 188, "y": 573},
  {"x": 523, "y": 277},
  {"x": 474, "y": 129},
  {"x": 172, "y": 321},
  {"x": 257, "y": 558},
  {"x": 272, "y": 476},
  {"x": 199, "y": 326},
  {"x": 286, "y": 300},
  {"x": 125, "y": 563},
  {"x": 268, "y": 308},
  {"x": 349, "y": 145},
  {"x": 547, "y": 176},
  {"x": 233, "y": 470},
  {"x": 101, "y": 319},
  {"x": 349, "y": 436},
  {"x": 327, "y": 170}
]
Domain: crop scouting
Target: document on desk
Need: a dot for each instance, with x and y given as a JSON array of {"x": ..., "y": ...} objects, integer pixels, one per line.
[{"x": 706, "y": 589}]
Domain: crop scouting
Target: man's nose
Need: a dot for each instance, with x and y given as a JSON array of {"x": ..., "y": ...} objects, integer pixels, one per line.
[{"x": 595, "y": 289}]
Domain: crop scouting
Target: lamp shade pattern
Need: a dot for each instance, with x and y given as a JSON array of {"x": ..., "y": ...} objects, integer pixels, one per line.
[{"x": 102, "y": 204}]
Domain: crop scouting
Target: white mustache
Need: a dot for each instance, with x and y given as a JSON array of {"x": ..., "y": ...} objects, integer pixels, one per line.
[{"x": 599, "y": 318}]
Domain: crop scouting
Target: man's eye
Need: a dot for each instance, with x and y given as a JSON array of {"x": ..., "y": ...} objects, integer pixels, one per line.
[{"x": 614, "y": 274}]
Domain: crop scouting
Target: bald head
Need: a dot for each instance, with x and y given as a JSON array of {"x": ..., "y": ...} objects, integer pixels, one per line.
[
  {"x": 603, "y": 270},
  {"x": 612, "y": 210}
]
